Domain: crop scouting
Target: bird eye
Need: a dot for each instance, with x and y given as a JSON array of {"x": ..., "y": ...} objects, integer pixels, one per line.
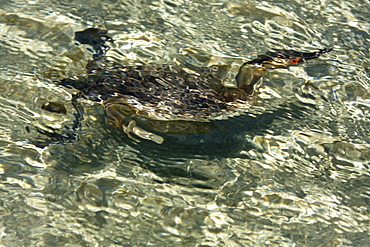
[{"x": 296, "y": 60}]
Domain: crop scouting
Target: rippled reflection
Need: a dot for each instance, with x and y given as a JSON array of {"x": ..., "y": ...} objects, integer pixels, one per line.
[{"x": 292, "y": 172}]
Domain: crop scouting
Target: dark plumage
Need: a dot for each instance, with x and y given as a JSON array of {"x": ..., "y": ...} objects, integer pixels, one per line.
[{"x": 170, "y": 92}]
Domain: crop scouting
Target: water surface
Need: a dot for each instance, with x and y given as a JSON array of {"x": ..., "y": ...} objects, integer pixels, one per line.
[{"x": 293, "y": 173}]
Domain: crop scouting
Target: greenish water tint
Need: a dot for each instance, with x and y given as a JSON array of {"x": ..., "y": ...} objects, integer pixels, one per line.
[{"x": 294, "y": 171}]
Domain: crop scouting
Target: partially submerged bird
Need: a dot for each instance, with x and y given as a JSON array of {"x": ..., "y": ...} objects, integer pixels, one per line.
[{"x": 146, "y": 101}]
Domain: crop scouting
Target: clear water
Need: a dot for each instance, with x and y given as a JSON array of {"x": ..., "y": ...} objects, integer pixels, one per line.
[{"x": 295, "y": 174}]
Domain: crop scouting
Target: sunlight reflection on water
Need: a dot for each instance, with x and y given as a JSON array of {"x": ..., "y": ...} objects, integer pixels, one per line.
[{"x": 293, "y": 173}]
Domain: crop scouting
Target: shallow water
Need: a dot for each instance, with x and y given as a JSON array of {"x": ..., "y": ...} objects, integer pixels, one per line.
[{"x": 294, "y": 171}]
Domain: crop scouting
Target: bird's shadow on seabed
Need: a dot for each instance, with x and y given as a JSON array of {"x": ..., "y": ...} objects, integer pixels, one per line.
[{"x": 227, "y": 139}]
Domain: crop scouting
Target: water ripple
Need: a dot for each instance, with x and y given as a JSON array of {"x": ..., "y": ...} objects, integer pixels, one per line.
[{"x": 294, "y": 171}]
